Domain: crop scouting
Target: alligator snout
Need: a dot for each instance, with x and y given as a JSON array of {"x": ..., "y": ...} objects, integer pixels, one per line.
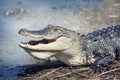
[
  {"x": 31, "y": 33},
  {"x": 23, "y": 32}
]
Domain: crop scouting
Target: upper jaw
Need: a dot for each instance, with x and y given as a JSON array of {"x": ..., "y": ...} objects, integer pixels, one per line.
[
  {"x": 33, "y": 34},
  {"x": 36, "y": 34}
]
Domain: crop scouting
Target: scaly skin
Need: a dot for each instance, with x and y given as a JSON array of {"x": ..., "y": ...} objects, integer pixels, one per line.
[
  {"x": 98, "y": 48},
  {"x": 103, "y": 45}
]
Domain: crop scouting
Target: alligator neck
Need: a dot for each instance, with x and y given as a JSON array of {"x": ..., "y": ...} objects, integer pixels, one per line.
[{"x": 73, "y": 56}]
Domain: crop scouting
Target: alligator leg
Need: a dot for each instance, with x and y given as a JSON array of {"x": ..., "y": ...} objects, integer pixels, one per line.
[{"x": 103, "y": 60}]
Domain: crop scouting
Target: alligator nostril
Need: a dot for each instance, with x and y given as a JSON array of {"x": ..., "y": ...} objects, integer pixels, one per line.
[{"x": 22, "y": 31}]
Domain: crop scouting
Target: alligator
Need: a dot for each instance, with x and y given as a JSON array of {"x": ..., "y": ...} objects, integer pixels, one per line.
[{"x": 98, "y": 48}]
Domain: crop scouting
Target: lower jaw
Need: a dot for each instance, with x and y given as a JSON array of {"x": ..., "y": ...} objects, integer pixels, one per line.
[{"x": 41, "y": 55}]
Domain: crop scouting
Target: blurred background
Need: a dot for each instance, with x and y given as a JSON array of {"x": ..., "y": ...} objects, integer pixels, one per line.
[{"x": 79, "y": 15}]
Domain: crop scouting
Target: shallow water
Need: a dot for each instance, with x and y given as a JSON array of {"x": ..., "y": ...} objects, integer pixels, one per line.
[{"x": 32, "y": 14}]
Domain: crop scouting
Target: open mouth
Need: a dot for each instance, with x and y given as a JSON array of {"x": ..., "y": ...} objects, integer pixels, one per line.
[
  {"x": 43, "y": 41},
  {"x": 47, "y": 44}
]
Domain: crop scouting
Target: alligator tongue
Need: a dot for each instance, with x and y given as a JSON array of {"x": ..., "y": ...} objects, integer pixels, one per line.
[{"x": 43, "y": 41}]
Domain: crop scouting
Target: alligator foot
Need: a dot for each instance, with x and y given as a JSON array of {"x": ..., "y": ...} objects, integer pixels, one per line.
[
  {"x": 99, "y": 63},
  {"x": 96, "y": 69}
]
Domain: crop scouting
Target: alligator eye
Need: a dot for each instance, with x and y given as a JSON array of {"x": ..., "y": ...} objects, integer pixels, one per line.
[{"x": 56, "y": 30}]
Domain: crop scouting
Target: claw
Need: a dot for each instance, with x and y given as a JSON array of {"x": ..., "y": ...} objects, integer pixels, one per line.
[{"x": 95, "y": 69}]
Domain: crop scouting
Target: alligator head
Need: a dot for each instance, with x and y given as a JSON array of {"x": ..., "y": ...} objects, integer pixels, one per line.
[{"x": 54, "y": 40}]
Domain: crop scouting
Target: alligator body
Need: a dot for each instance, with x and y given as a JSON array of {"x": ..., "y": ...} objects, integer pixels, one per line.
[{"x": 98, "y": 48}]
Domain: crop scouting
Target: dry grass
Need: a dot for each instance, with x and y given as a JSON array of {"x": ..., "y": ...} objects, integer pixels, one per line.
[{"x": 72, "y": 73}]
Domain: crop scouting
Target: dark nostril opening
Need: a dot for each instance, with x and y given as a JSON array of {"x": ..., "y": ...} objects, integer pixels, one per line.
[{"x": 22, "y": 31}]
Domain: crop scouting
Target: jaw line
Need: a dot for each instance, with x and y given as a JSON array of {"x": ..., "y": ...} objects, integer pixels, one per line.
[
  {"x": 41, "y": 55},
  {"x": 61, "y": 43}
]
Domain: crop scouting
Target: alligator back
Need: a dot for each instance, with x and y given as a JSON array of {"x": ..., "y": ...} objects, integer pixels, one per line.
[{"x": 102, "y": 42}]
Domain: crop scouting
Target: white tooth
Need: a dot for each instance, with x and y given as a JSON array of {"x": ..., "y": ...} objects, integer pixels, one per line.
[{"x": 27, "y": 44}]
